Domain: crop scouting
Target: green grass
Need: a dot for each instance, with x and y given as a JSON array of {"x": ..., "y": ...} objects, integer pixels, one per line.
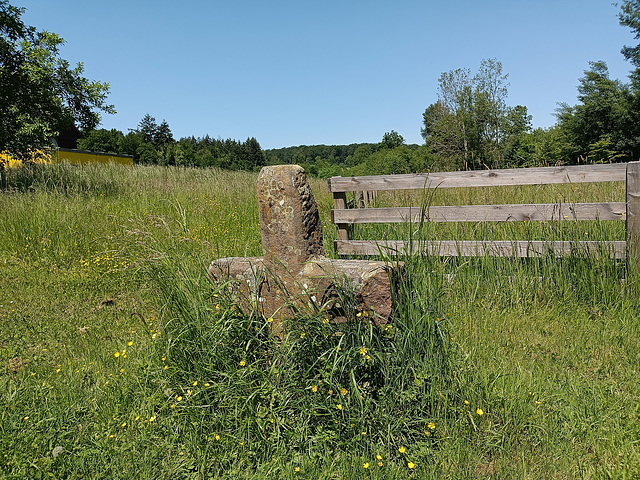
[{"x": 119, "y": 358}]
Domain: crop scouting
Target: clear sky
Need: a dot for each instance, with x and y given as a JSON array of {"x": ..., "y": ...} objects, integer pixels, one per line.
[{"x": 323, "y": 72}]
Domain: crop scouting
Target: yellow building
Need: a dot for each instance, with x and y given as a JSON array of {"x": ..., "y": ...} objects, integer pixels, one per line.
[
  {"x": 66, "y": 155},
  {"x": 77, "y": 157}
]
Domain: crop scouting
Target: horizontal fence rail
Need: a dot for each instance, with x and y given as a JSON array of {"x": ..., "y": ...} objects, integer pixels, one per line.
[
  {"x": 629, "y": 211},
  {"x": 483, "y": 213},
  {"x": 479, "y": 248},
  {"x": 482, "y": 178}
]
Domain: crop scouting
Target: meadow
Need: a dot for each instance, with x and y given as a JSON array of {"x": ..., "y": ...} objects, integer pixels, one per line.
[{"x": 119, "y": 358}]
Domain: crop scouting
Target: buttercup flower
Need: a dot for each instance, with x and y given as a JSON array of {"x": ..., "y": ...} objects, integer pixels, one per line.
[
  {"x": 402, "y": 449},
  {"x": 411, "y": 465},
  {"x": 479, "y": 411}
]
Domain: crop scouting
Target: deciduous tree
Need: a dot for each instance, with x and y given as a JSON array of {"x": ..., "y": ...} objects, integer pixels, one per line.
[{"x": 40, "y": 93}]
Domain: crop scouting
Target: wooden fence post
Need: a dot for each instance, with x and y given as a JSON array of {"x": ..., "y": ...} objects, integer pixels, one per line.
[
  {"x": 340, "y": 203},
  {"x": 633, "y": 211}
]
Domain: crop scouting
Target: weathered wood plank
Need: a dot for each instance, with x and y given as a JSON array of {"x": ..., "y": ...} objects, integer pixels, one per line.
[
  {"x": 633, "y": 211},
  {"x": 483, "y": 178},
  {"x": 340, "y": 202},
  {"x": 484, "y": 213},
  {"x": 471, "y": 248}
]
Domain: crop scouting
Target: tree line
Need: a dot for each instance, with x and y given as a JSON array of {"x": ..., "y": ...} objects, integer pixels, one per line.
[{"x": 153, "y": 143}]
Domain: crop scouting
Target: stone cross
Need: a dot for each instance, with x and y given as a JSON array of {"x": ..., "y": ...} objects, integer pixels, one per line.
[{"x": 293, "y": 276}]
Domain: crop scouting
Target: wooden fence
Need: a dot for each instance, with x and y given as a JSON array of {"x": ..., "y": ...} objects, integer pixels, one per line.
[{"x": 628, "y": 211}]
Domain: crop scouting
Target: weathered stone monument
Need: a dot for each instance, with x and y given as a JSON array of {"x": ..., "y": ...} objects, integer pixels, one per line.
[{"x": 293, "y": 276}]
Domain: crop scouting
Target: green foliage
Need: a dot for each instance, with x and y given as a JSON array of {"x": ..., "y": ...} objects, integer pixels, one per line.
[
  {"x": 603, "y": 117},
  {"x": 41, "y": 94},
  {"x": 470, "y": 126},
  {"x": 310, "y": 154},
  {"x": 391, "y": 140},
  {"x": 629, "y": 16},
  {"x": 153, "y": 144}
]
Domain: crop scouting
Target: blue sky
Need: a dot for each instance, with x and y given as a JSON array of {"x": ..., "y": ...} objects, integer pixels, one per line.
[{"x": 325, "y": 72}]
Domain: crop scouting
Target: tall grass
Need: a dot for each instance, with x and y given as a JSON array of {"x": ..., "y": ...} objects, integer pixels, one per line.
[{"x": 122, "y": 360}]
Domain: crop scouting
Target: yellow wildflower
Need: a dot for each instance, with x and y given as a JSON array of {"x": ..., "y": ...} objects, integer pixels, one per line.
[
  {"x": 339, "y": 406},
  {"x": 431, "y": 425},
  {"x": 343, "y": 391},
  {"x": 402, "y": 449},
  {"x": 117, "y": 354},
  {"x": 314, "y": 389},
  {"x": 366, "y": 465},
  {"x": 411, "y": 465},
  {"x": 242, "y": 363},
  {"x": 479, "y": 411}
]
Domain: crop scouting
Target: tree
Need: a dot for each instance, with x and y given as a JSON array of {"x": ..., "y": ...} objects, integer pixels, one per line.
[
  {"x": 147, "y": 128},
  {"x": 40, "y": 94},
  {"x": 601, "y": 122},
  {"x": 391, "y": 140},
  {"x": 102, "y": 140},
  {"x": 630, "y": 17},
  {"x": 468, "y": 125},
  {"x": 163, "y": 136}
]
